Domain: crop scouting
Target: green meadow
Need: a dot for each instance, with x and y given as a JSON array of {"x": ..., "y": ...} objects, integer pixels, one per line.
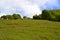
[{"x": 29, "y": 30}]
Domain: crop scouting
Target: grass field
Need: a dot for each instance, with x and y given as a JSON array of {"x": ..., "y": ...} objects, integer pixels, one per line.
[{"x": 29, "y": 30}]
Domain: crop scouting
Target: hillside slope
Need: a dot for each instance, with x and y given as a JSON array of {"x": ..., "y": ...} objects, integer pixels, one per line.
[{"x": 29, "y": 30}]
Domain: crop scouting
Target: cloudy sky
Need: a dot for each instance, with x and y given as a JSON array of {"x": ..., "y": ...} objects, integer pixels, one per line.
[{"x": 27, "y": 7}]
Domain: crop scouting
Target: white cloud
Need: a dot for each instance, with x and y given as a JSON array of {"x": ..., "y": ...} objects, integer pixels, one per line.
[
  {"x": 30, "y": 7},
  {"x": 1, "y": 14}
]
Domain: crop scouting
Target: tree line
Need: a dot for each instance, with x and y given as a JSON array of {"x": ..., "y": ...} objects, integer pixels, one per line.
[
  {"x": 14, "y": 16},
  {"x": 53, "y": 15}
]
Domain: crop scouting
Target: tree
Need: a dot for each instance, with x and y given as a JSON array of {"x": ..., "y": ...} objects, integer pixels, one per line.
[
  {"x": 53, "y": 15},
  {"x": 48, "y": 15},
  {"x": 3, "y": 17},
  {"x": 24, "y": 17},
  {"x": 16, "y": 16},
  {"x": 9, "y": 16},
  {"x": 35, "y": 17},
  {"x": 40, "y": 16},
  {"x": 57, "y": 18},
  {"x": 45, "y": 14}
]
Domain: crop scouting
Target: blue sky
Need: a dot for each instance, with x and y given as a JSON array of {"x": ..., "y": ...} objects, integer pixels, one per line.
[{"x": 27, "y": 7}]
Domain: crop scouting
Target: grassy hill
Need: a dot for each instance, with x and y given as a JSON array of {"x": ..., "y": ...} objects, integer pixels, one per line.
[{"x": 29, "y": 30}]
